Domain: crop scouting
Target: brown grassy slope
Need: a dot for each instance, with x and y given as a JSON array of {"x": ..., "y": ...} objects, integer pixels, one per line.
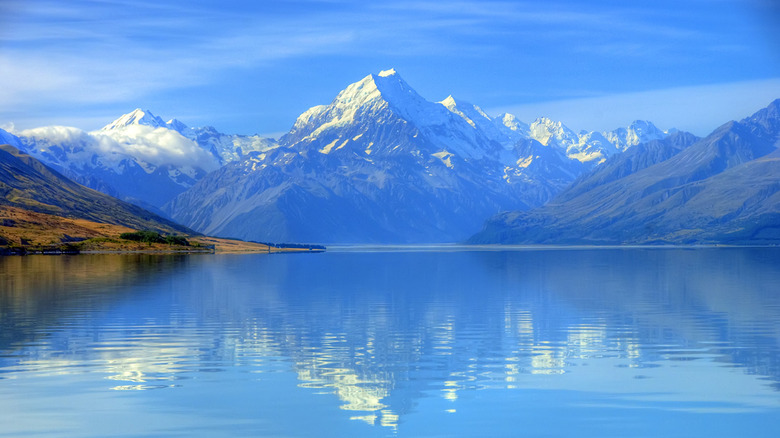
[
  {"x": 41, "y": 208},
  {"x": 26, "y": 183},
  {"x": 29, "y": 229},
  {"x": 18, "y": 225}
]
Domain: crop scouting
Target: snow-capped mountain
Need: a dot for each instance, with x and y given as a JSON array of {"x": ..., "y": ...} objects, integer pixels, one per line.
[
  {"x": 138, "y": 157},
  {"x": 589, "y": 147},
  {"x": 479, "y": 120},
  {"x": 378, "y": 164},
  {"x": 640, "y": 131},
  {"x": 724, "y": 188},
  {"x": 511, "y": 127},
  {"x": 224, "y": 147},
  {"x": 135, "y": 118}
]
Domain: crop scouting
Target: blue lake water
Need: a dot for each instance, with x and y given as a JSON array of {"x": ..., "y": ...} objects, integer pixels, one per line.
[{"x": 658, "y": 342}]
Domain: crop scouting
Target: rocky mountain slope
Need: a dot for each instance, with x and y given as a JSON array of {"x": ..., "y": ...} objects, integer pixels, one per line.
[{"x": 724, "y": 188}]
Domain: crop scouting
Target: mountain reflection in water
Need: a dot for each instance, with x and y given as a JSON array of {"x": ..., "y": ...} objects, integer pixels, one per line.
[{"x": 398, "y": 339}]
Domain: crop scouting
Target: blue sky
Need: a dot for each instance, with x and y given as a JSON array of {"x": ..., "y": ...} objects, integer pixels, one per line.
[{"x": 253, "y": 66}]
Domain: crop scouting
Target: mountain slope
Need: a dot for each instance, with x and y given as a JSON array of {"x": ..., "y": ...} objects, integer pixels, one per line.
[
  {"x": 378, "y": 164},
  {"x": 590, "y": 148},
  {"x": 27, "y": 183},
  {"x": 138, "y": 157},
  {"x": 722, "y": 189},
  {"x": 631, "y": 161}
]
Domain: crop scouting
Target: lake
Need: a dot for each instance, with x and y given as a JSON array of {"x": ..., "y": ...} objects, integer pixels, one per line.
[{"x": 436, "y": 342}]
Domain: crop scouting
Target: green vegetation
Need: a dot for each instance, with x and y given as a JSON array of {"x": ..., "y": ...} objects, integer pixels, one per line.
[{"x": 151, "y": 237}]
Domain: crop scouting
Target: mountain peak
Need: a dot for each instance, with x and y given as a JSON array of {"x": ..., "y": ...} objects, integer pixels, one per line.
[
  {"x": 449, "y": 102},
  {"x": 136, "y": 117},
  {"x": 514, "y": 125},
  {"x": 374, "y": 89},
  {"x": 176, "y": 125},
  {"x": 386, "y": 73},
  {"x": 770, "y": 112}
]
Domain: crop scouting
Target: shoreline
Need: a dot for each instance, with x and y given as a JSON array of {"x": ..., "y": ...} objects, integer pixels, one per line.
[
  {"x": 25, "y": 251},
  {"x": 457, "y": 247}
]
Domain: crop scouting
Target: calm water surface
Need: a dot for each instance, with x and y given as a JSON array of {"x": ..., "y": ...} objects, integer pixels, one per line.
[{"x": 528, "y": 343}]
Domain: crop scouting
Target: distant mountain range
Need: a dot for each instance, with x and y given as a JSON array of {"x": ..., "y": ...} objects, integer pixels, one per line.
[
  {"x": 138, "y": 157},
  {"x": 724, "y": 188},
  {"x": 380, "y": 164}
]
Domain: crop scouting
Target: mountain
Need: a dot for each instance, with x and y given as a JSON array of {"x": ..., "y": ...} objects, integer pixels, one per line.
[
  {"x": 28, "y": 184},
  {"x": 478, "y": 119},
  {"x": 592, "y": 147},
  {"x": 378, "y": 164},
  {"x": 10, "y": 139},
  {"x": 138, "y": 157},
  {"x": 724, "y": 188},
  {"x": 223, "y": 147},
  {"x": 634, "y": 159}
]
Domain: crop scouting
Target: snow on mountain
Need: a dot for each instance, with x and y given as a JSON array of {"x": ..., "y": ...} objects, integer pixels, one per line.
[
  {"x": 177, "y": 126},
  {"x": 551, "y": 133},
  {"x": 386, "y": 95},
  {"x": 592, "y": 147},
  {"x": 378, "y": 164},
  {"x": 147, "y": 139},
  {"x": 195, "y": 144},
  {"x": 224, "y": 147},
  {"x": 638, "y": 132},
  {"x": 138, "y": 157},
  {"x": 511, "y": 127},
  {"x": 587, "y": 147},
  {"x": 136, "y": 117},
  {"x": 479, "y": 120},
  {"x": 724, "y": 188},
  {"x": 136, "y": 163}
]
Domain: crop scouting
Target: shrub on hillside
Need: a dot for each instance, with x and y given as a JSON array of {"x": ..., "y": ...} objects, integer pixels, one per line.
[{"x": 154, "y": 237}]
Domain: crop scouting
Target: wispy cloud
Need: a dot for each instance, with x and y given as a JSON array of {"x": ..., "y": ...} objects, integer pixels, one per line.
[
  {"x": 698, "y": 109},
  {"x": 57, "y": 55}
]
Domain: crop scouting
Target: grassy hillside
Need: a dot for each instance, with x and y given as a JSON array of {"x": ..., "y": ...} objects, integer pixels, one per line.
[
  {"x": 26, "y": 183},
  {"x": 25, "y": 231}
]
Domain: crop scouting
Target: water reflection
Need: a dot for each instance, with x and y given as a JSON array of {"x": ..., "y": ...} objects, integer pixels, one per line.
[{"x": 385, "y": 335}]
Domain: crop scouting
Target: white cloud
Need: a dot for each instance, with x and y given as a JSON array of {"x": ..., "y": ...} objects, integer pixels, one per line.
[
  {"x": 145, "y": 144},
  {"x": 60, "y": 135},
  {"x": 158, "y": 146}
]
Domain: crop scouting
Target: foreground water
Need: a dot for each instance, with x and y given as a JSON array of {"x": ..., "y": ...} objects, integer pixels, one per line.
[{"x": 532, "y": 343}]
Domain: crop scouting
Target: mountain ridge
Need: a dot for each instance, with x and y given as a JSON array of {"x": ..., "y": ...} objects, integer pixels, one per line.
[
  {"x": 27, "y": 183},
  {"x": 722, "y": 188}
]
